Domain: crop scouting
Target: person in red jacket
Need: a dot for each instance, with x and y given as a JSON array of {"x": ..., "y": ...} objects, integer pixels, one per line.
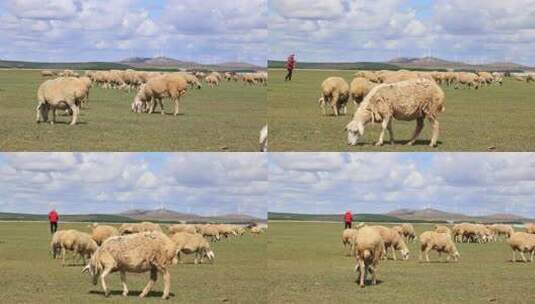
[
  {"x": 348, "y": 219},
  {"x": 53, "y": 218},
  {"x": 290, "y": 66}
]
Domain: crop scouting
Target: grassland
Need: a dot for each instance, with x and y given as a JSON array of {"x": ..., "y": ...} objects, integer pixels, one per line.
[
  {"x": 307, "y": 264},
  {"x": 28, "y": 274},
  {"x": 500, "y": 117},
  {"x": 226, "y": 118}
]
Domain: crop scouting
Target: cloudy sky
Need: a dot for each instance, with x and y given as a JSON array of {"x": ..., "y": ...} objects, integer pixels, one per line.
[
  {"x": 475, "y": 31},
  {"x": 202, "y": 183},
  {"x": 470, "y": 183},
  {"x": 206, "y": 31}
]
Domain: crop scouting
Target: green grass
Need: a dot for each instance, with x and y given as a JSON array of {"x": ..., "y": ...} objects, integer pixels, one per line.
[
  {"x": 213, "y": 119},
  {"x": 307, "y": 264},
  {"x": 28, "y": 274},
  {"x": 473, "y": 120}
]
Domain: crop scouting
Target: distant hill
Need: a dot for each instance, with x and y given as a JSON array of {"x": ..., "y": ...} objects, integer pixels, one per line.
[
  {"x": 331, "y": 217},
  {"x": 430, "y": 214},
  {"x": 101, "y": 218},
  {"x": 63, "y": 65},
  {"x": 425, "y": 63}
]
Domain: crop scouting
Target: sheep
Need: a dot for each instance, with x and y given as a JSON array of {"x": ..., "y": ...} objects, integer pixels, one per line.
[
  {"x": 349, "y": 238},
  {"x": 530, "y": 227},
  {"x": 359, "y": 88},
  {"x": 442, "y": 229},
  {"x": 170, "y": 85},
  {"x": 212, "y": 81},
  {"x": 102, "y": 232},
  {"x": 138, "y": 227},
  {"x": 334, "y": 92},
  {"x": 79, "y": 242},
  {"x": 226, "y": 230},
  {"x": 407, "y": 100},
  {"x": 47, "y": 73},
  {"x": 210, "y": 231},
  {"x": 141, "y": 252},
  {"x": 406, "y": 230},
  {"x": 469, "y": 80},
  {"x": 502, "y": 229},
  {"x": 441, "y": 242},
  {"x": 182, "y": 228},
  {"x": 369, "y": 250},
  {"x": 188, "y": 243},
  {"x": 522, "y": 242},
  {"x": 393, "y": 240},
  {"x": 61, "y": 93},
  {"x": 256, "y": 230},
  {"x": 263, "y": 140},
  {"x": 371, "y": 76},
  {"x": 191, "y": 80}
]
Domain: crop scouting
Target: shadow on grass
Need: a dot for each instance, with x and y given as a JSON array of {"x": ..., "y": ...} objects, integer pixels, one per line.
[
  {"x": 368, "y": 282},
  {"x": 132, "y": 293}
]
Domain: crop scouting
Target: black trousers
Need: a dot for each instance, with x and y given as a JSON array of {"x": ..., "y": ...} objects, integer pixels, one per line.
[
  {"x": 347, "y": 225},
  {"x": 53, "y": 227},
  {"x": 289, "y": 75}
]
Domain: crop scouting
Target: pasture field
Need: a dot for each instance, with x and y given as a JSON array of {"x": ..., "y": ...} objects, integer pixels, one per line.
[
  {"x": 474, "y": 120},
  {"x": 225, "y": 118},
  {"x": 307, "y": 264},
  {"x": 28, "y": 274}
]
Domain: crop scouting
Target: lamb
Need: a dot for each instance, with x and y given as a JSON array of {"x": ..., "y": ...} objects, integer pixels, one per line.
[
  {"x": 441, "y": 242},
  {"x": 392, "y": 240},
  {"x": 170, "y": 85},
  {"x": 522, "y": 242},
  {"x": 369, "y": 250},
  {"x": 359, "y": 88},
  {"x": 530, "y": 227},
  {"x": 407, "y": 100},
  {"x": 102, "y": 232},
  {"x": 73, "y": 240},
  {"x": 188, "y": 243},
  {"x": 61, "y": 93},
  {"x": 139, "y": 227},
  {"x": 141, "y": 252},
  {"x": 334, "y": 92},
  {"x": 263, "y": 140}
]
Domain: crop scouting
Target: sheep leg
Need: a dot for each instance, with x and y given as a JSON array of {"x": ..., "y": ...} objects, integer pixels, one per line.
[
  {"x": 152, "y": 105},
  {"x": 123, "y": 281},
  {"x": 362, "y": 272},
  {"x": 103, "y": 281},
  {"x": 53, "y": 121},
  {"x": 160, "y": 102},
  {"x": 393, "y": 253},
  {"x": 436, "y": 130},
  {"x": 63, "y": 252},
  {"x": 374, "y": 277},
  {"x": 166, "y": 284},
  {"x": 384, "y": 125},
  {"x": 75, "y": 111},
  {"x": 153, "y": 278},
  {"x": 177, "y": 100},
  {"x": 390, "y": 132},
  {"x": 523, "y": 256},
  {"x": 417, "y": 131},
  {"x": 334, "y": 103}
]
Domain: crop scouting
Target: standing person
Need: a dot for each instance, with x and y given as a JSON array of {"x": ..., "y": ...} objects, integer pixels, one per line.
[
  {"x": 53, "y": 218},
  {"x": 348, "y": 219},
  {"x": 290, "y": 66}
]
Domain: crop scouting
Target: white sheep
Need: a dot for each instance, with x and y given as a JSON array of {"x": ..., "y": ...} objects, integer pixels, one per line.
[
  {"x": 335, "y": 93},
  {"x": 189, "y": 243},
  {"x": 369, "y": 251},
  {"x": 440, "y": 242},
  {"x": 522, "y": 242},
  {"x": 414, "y": 99}
]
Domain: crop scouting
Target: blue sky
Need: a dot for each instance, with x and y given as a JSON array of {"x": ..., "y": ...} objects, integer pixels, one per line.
[
  {"x": 478, "y": 31},
  {"x": 470, "y": 183},
  {"x": 111, "y": 30},
  {"x": 201, "y": 183}
]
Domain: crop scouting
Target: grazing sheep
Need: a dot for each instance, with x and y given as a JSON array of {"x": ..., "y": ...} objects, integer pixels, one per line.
[
  {"x": 79, "y": 242},
  {"x": 63, "y": 94},
  {"x": 189, "y": 243},
  {"x": 407, "y": 231},
  {"x": 522, "y": 242},
  {"x": 212, "y": 81},
  {"x": 502, "y": 229},
  {"x": 530, "y": 227},
  {"x": 264, "y": 139},
  {"x": 210, "y": 231},
  {"x": 349, "y": 237},
  {"x": 393, "y": 240},
  {"x": 442, "y": 229},
  {"x": 256, "y": 230},
  {"x": 441, "y": 242},
  {"x": 102, "y": 232},
  {"x": 176, "y": 228},
  {"x": 47, "y": 73},
  {"x": 170, "y": 85},
  {"x": 369, "y": 251},
  {"x": 407, "y": 100},
  {"x": 359, "y": 88},
  {"x": 139, "y": 227},
  {"x": 334, "y": 92},
  {"x": 141, "y": 252},
  {"x": 469, "y": 80}
]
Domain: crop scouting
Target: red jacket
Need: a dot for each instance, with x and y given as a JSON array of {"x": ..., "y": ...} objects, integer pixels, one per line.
[
  {"x": 290, "y": 64},
  {"x": 53, "y": 216},
  {"x": 348, "y": 217}
]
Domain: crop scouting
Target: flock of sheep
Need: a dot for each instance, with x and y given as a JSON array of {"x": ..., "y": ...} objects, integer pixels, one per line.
[
  {"x": 382, "y": 96},
  {"x": 70, "y": 91},
  {"x": 142, "y": 247},
  {"x": 370, "y": 243}
]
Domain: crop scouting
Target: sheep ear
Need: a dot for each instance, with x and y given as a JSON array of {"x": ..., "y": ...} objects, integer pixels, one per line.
[{"x": 86, "y": 268}]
